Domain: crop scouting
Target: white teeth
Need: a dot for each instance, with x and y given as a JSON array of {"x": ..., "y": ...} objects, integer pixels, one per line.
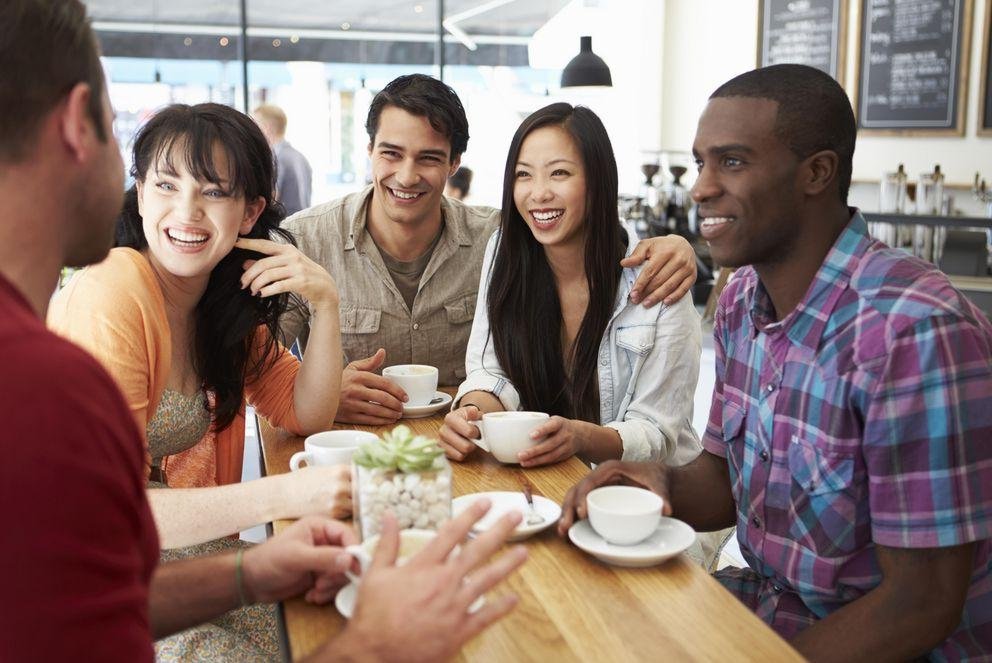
[
  {"x": 548, "y": 216},
  {"x": 711, "y": 221},
  {"x": 404, "y": 196},
  {"x": 185, "y": 237}
]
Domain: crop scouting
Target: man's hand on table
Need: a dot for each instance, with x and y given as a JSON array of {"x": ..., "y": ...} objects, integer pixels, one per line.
[
  {"x": 306, "y": 558},
  {"x": 420, "y": 611},
  {"x": 368, "y": 398},
  {"x": 668, "y": 273},
  {"x": 460, "y": 427},
  {"x": 653, "y": 476}
]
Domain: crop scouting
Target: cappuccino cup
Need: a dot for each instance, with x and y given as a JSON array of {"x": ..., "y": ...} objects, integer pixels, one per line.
[
  {"x": 417, "y": 380},
  {"x": 334, "y": 447},
  {"x": 623, "y": 515},
  {"x": 506, "y": 434}
]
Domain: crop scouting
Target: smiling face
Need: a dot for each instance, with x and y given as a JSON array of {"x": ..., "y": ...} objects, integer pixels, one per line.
[
  {"x": 748, "y": 189},
  {"x": 410, "y": 165},
  {"x": 549, "y": 188},
  {"x": 191, "y": 224}
]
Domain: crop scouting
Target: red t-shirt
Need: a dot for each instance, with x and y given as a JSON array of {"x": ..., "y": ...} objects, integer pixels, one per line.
[{"x": 78, "y": 543}]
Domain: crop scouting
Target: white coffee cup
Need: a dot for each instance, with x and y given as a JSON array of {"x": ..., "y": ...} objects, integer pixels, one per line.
[
  {"x": 333, "y": 447},
  {"x": 412, "y": 541},
  {"x": 623, "y": 515},
  {"x": 506, "y": 434},
  {"x": 417, "y": 380}
]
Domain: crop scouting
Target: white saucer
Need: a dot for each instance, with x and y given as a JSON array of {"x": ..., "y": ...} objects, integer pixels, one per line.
[
  {"x": 345, "y": 601},
  {"x": 418, "y": 411},
  {"x": 505, "y": 502},
  {"x": 670, "y": 539}
]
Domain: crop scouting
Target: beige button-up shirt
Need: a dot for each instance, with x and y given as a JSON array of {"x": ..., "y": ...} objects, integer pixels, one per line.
[{"x": 373, "y": 313}]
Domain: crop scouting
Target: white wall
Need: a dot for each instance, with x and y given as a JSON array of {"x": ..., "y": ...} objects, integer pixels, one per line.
[{"x": 706, "y": 42}]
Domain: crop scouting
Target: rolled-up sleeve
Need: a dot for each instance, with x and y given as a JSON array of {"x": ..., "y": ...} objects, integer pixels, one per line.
[
  {"x": 482, "y": 369},
  {"x": 657, "y": 424}
]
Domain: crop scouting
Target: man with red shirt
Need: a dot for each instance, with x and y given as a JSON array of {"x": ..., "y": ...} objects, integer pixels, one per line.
[{"x": 80, "y": 548}]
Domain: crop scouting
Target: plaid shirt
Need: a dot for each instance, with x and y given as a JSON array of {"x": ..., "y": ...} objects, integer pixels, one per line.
[{"x": 862, "y": 417}]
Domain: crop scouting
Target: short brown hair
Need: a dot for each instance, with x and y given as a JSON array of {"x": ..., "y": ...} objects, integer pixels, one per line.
[{"x": 46, "y": 47}]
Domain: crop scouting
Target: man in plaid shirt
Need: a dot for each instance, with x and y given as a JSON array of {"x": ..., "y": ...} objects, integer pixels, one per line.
[{"x": 850, "y": 434}]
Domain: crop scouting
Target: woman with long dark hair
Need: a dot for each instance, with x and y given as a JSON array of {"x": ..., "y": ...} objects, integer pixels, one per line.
[
  {"x": 184, "y": 314},
  {"x": 554, "y": 329}
]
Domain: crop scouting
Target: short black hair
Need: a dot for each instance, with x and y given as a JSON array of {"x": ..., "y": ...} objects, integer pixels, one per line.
[
  {"x": 814, "y": 112},
  {"x": 424, "y": 96},
  {"x": 46, "y": 47}
]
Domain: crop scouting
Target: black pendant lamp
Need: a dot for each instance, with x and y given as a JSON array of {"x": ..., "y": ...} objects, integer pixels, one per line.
[{"x": 586, "y": 68}]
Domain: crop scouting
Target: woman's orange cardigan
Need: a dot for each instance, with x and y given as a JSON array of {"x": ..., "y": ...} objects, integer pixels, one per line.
[{"x": 116, "y": 311}]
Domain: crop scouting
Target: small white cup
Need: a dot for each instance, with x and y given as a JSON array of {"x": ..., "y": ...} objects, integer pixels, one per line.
[
  {"x": 334, "y": 447},
  {"x": 412, "y": 541},
  {"x": 506, "y": 434},
  {"x": 417, "y": 380},
  {"x": 623, "y": 515}
]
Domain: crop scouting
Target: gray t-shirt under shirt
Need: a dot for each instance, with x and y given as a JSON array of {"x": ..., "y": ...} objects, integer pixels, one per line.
[{"x": 407, "y": 275}]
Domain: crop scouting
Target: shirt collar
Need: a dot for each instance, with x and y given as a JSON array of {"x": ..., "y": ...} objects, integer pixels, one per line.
[
  {"x": 804, "y": 325},
  {"x": 452, "y": 220}
]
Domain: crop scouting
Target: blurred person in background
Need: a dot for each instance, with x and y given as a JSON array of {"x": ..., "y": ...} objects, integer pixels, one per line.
[
  {"x": 293, "y": 173},
  {"x": 458, "y": 184}
]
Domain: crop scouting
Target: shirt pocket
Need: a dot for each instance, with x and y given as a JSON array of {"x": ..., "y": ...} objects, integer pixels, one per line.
[
  {"x": 825, "y": 499},
  {"x": 360, "y": 331},
  {"x": 459, "y": 313},
  {"x": 638, "y": 339}
]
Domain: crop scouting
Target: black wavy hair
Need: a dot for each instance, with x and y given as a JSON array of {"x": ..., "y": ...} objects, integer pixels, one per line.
[
  {"x": 423, "y": 96},
  {"x": 814, "y": 112},
  {"x": 226, "y": 318},
  {"x": 524, "y": 308}
]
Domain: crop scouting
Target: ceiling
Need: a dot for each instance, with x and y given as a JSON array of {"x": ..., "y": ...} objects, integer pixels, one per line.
[{"x": 510, "y": 18}]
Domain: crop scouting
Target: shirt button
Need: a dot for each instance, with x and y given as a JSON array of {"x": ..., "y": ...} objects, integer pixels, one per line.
[
  {"x": 770, "y": 388},
  {"x": 756, "y": 521},
  {"x": 777, "y": 588},
  {"x": 416, "y": 325},
  {"x": 604, "y": 361},
  {"x": 764, "y": 455}
]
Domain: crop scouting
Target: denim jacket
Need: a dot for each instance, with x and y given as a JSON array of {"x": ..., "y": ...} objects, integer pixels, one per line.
[{"x": 648, "y": 368}]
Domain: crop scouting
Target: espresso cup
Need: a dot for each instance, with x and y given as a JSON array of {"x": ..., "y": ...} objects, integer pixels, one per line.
[
  {"x": 506, "y": 434},
  {"x": 623, "y": 515},
  {"x": 334, "y": 447},
  {"x": 412, "y": 541},
  {"x": 417, "y": 380}
]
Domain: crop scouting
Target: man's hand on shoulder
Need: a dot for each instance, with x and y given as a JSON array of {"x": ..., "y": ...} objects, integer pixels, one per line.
[
  {"x": 668, "y": 273},
  {"x": 368, "y": 398}
]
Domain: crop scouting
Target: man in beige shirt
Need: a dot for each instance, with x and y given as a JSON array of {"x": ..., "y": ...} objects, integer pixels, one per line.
[{"x": 407, "y": 260}]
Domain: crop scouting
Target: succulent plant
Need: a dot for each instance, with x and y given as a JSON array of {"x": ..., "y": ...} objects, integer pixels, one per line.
[{"x": 400, "y": 450}]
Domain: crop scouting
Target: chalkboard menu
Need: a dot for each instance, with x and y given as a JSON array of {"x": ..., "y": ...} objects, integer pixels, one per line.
[
  {"x": 985, "y": 117},
  {"x": 913, "y": 64},
  {"x": 807, "y": 32}
]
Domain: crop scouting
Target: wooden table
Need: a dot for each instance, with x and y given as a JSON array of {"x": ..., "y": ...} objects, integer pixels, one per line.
[{"x": 572, "y": 607}]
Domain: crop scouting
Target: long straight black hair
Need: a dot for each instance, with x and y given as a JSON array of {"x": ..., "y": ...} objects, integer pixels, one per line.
[
  {"x": 226, "y": 318},
  {"x": 524, "y": 308}
]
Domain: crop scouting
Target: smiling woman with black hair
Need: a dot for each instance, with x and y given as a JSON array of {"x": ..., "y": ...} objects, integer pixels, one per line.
[
  {"x": 184, "y": 313},
  {"x": 554, "y": 329}
]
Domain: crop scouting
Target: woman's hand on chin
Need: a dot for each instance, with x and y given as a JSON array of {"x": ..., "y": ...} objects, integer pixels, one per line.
[{"x": 286, "y": 269}]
